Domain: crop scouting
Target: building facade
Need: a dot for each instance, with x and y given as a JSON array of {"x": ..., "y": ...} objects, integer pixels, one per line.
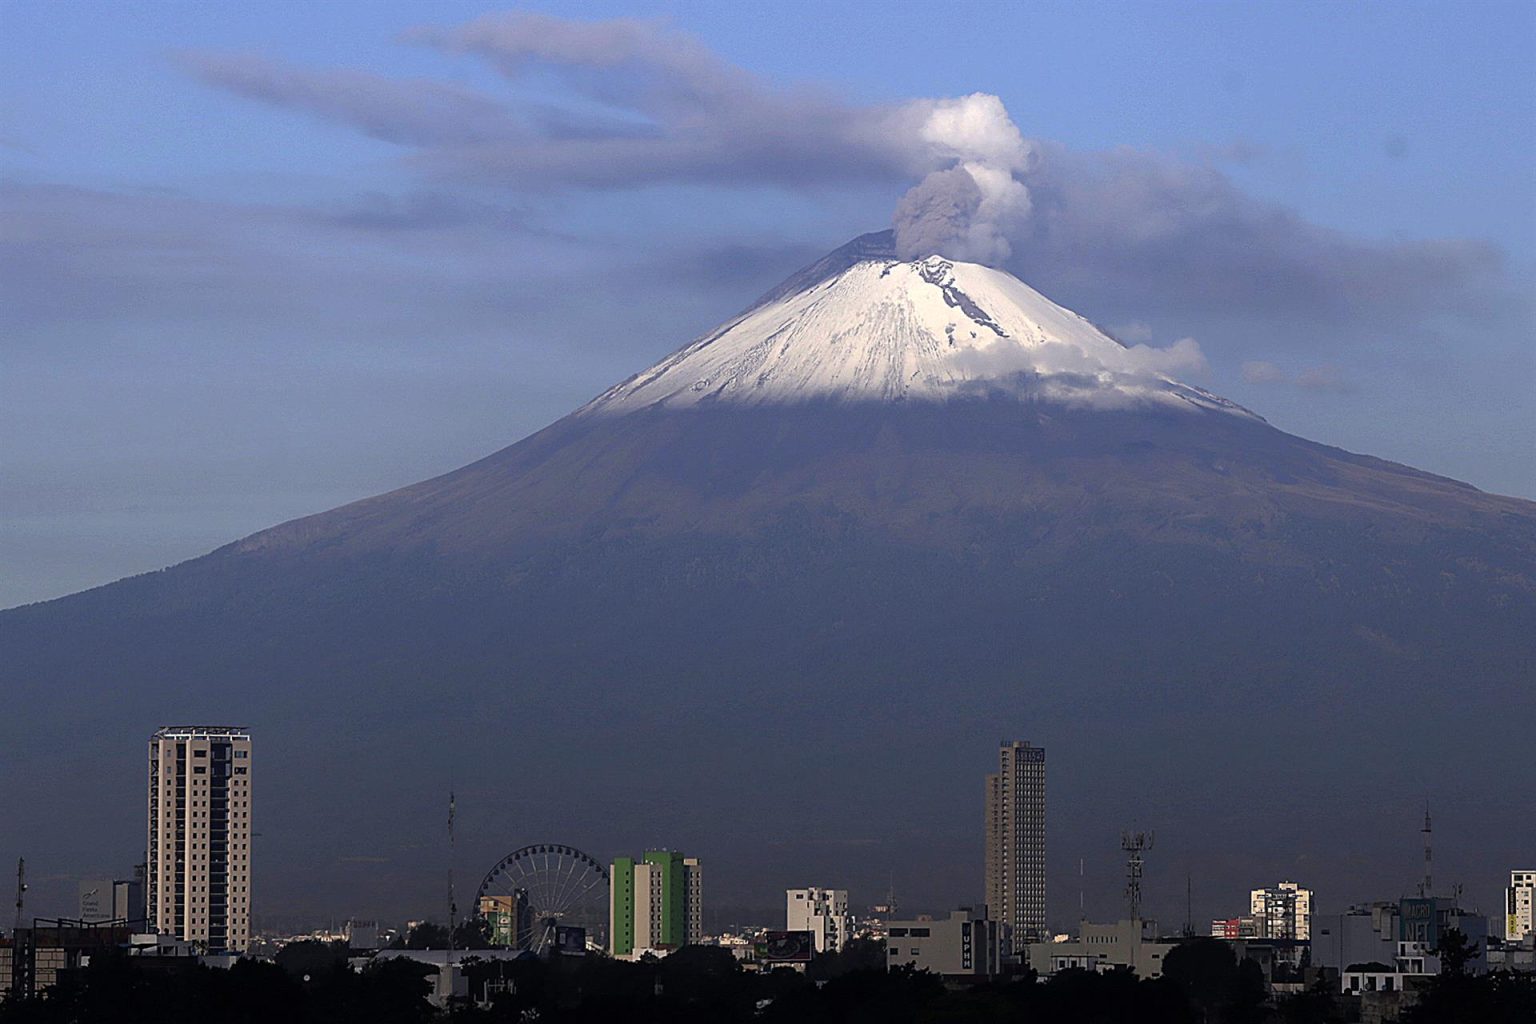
[
  {"x": 965, "y": 945},
  {"x": 198, "y": 883},
  {"x": 823, "y": 913},
  {"x": 655, "y": 903},
  {"x": 1520, "y": 906},
  {"x": 1282, "y": 911},
  {"x": 1015, "y": 850},
  {"x": 1099, "y": 948},
  {"x": 1382, "y": 933}
]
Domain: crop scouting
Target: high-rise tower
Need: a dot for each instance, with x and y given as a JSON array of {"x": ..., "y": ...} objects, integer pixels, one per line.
[
  {"x": 199, "y": 876},
  {"x": 655, "y": 903},
  {"x": 1016, "y": 840}
]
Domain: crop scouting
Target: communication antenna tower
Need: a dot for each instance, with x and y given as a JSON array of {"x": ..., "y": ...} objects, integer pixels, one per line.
[
  {"x": 1189, "y": 905},
  {"x": 1082, "y": 914},
  {"x": 21, "y": 888},
  {"x": 453, "y": 906},
  {"x": 1134, "y": 844},
  {"x": 1427, "y": 887}
]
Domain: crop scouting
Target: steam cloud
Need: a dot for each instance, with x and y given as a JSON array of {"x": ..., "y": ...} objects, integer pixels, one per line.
[{"x": 967, "y": 211}]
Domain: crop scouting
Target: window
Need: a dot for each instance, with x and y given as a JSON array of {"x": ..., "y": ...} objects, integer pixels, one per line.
[
  {"x": 919, "y": 933},
  {"x": 898, "y": 933}
]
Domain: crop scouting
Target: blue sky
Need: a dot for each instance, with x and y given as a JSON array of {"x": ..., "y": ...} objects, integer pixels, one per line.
[{"x": 250, "y": 269}]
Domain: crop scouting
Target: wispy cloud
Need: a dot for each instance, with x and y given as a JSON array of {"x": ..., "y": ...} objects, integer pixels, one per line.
[
  {"x": 1325, "y": 377},
  {"x": 1123, "y": 232}
]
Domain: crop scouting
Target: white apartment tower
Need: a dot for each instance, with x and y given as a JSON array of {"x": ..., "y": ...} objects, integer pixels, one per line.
[
  {"x": 823, "y": 913},
  {"x": 198, "y": 885},
  {"x": 1282, "y": 911},
  {"x": 1520, "y": 905},
  {"x": 1016, "y": 841}
]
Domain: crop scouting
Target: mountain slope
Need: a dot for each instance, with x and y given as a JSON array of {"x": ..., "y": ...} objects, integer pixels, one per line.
[{"x": 781, "y": 621}]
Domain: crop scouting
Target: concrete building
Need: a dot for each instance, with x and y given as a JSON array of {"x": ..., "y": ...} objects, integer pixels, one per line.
[
  {"x": 510, "y": 916},
  {"x": 1103, "y": 947},
  {"x": 111, "y": 899},
  {"x": 199, "y": 873},
  {"x": 655, "y": 903},
  {"x": 95, "y": 900},
  {"x": 32, "y": 961},
  {"x": 965, "y": 945},
  {"x": 823, "y": 913},
  {"x": 128, "y": 897},
  {"x": 1375, "y": 934},
  {"x": 1282, "y": 911},
  {"x": 1015, "y": 842},
  {"x": 1520, "y": 906},
  {"x": 362, "y": 934},
  {"x": 1233, "y": 928}
]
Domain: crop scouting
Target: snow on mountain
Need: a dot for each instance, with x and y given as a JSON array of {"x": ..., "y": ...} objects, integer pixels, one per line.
[{"x": 863, "y": 325}]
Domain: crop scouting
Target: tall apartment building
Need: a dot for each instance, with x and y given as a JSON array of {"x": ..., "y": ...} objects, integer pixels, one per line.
[
  {"x": 656, "y": 902},
  {"x": 823, "y": 913},
  {"x": 1282, "y": 911},
  {"x": 199, "y": 876},
  {"x": 1520, "y": 905},
  {"x": 1016, "y": 841}
]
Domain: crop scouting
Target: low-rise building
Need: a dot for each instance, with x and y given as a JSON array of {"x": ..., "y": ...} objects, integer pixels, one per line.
[
  {"x": 1103, "y": 947},
  {"x": 1233, "y": 928},
  {"x": 967, "y": 944},
  {"x": 1376, "y": 934}
]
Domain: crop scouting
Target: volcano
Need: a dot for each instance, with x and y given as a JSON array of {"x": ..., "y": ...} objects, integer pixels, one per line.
[{"x": 774, "y": 600}]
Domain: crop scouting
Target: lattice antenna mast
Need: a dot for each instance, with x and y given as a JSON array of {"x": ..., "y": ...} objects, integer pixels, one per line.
[
  {"x": 1082, "y": 914},
  {"x": 21, "y": 890},
  {"x": 1428, "y": 886},
  {"x": 453, "y": 906},
  {"x": 1134, "y": 844}
]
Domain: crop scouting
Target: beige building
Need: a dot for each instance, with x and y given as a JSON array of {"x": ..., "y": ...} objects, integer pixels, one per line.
[
  {"x": 966, "y": 944},
  {"x": 1103, "y": 947},
  {"x": 1520, "y": 906},
  {"x": 1016, "y": 841},
  {"x": 1282, "y": 911},
  {"x": 199, "y": 876},
  {"x": 823, "y": 913}
]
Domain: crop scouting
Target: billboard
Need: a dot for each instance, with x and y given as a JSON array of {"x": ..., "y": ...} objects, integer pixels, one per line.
[
  {"x": 784, "y": 948},
  {"x": 570, "y": 940}
]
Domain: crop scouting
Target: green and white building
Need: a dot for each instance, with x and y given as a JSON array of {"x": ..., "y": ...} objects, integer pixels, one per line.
[{"x": 655, "y": 903}]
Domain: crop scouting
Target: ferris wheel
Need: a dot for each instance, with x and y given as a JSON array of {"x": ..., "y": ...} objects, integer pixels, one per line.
[{"x": 535, "y": 895}]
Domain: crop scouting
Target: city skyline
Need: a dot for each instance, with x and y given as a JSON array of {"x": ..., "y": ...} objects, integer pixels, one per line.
[{"x": 1515, "y": 900}]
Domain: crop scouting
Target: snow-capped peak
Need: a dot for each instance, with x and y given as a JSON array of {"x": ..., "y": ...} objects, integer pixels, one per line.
[{"x": 862, "y": 325}]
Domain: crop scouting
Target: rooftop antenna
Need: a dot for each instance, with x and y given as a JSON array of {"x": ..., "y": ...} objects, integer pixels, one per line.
[
  {"x": 1189, "y": 905},
  {"x": 1082, "y": 914},
  {"x": 1134, "y": 844},
  {"x": 21, "y": 888},
  {"x": 1428, "y": 886},
  {"x": 453, "y": 906}
]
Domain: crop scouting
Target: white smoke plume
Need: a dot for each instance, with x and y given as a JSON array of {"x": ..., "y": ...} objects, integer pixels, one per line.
[{"x": 967, "y": 209}]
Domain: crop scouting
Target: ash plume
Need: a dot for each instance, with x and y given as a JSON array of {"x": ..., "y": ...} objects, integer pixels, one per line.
[{"x": 968, "y": 209}]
